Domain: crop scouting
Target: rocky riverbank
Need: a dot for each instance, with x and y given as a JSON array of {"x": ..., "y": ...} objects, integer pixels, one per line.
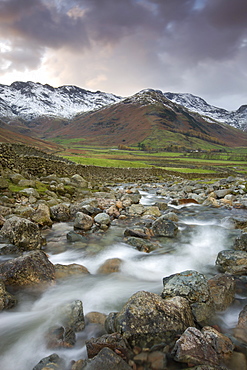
[{"x": 171, "y": 330}]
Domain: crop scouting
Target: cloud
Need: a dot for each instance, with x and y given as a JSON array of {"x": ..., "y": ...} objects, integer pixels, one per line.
[{"x": 126, "y": 45}]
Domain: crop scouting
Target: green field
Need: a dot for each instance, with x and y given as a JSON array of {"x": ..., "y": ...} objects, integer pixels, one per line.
[{"x": 229, "y": 161}]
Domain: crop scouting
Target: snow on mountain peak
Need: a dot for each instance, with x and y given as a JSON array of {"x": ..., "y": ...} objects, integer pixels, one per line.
[{"x": 29, "y": 100}]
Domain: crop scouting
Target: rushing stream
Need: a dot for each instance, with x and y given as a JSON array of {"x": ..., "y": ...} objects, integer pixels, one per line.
[{"x": 204, "y": 231}]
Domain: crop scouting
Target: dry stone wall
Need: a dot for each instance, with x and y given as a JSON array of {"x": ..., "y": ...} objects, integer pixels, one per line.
[{"x": 35, "y": 163}]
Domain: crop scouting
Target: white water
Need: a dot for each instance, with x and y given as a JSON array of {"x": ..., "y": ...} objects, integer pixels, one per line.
[{"x": 22, "y": 330}]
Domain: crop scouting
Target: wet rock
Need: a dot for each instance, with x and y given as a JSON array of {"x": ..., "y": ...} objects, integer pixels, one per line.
[
  {"x": 110, "y": 266},
  {"x": 136, "y": 232},
  {"x": 31, "y": 269},
  {"x": 60, "y": 212},
  {"x": 164, "y": 227},
  {"x": 95, "y": 318},
  {"x": 161, "y": 205},
  {"x": 102, "y": 219},
  {"x": 42, "y": 215},
  {"x": 24, "y": 211},
  {"x": 113, "y": 211},
  {"x": 238, "y": 361},
  {"x": 241, "y": 242},
  {"x": 72, "y": 237},
  {"x": 51, "y": 362},
  {"x": 202, "y": 348},
  {"x": 106, "y": 359},
  {"x": 194, "y": 287},
  {"x": 232, "y": 262},
  {"x": 152, "y": 211},
  {"x": 222, "y": 289},
  {"x": 172, "y": 216},
  {"x": 22, "y": 233},
  {"x": 83, "y": 221},
  {"x": 147, "y": 319},
  {"x": 60, "y": 337},
  {"x": 7, "y": 300},
  {"x": 71, "y": 315},
  {"x": 113, "y": 341},
  {"x": 142, "y": 245},
  {"x": 73, "y": 269},
  {"x": 240, "y": 332}
]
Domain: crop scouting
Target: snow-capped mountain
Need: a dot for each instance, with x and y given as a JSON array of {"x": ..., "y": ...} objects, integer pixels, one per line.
[
  {"x": 211, "y": 113},
  {"x": 29, "y": 100}
]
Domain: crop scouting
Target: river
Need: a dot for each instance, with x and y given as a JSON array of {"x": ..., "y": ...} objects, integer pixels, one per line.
[{"x": 203, "y": 232}]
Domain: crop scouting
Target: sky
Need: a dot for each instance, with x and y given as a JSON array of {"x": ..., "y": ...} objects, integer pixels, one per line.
[{"x": 124, "y": 46}]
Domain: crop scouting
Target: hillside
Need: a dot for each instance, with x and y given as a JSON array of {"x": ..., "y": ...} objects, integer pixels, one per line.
[
  {"x": 149, "y": 118},
  {"x": 147, "y": 115}
]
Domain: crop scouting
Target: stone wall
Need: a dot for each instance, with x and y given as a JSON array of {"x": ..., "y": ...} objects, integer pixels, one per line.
[{"x": 35, "y": 163}]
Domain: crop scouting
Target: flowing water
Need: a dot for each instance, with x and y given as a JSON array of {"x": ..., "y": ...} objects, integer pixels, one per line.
[{"x": 203, "y": 233}]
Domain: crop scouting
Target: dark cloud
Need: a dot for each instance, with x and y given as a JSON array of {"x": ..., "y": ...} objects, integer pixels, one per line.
[{"x": 152, "y": 42}]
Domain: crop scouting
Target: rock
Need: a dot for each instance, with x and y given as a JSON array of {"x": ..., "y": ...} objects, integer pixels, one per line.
[
  {"x": 16, "y": 177},
  {"x": 240, "y": 243},
  {"x": 172, "y": 216},
  {"x": 137, "y": 233},
  {"x": 222, "y": 193},
  {"x": 222, "y": 290},
  {"x": 83, "y": 221},
  {"x": 113, "y": 211},
  {"x": 240, "y": 332},
  {"x": 142, "y": 245},
  {"x": 164, "y": 227},
  {"x": 110, "y": 265},
  {"x": 152, "y": 211},
  {"x": 238, "y": 361},
  {"x": 51, "y": 362},
  {"x": 105, "y": 360},
  {"x": 95, "y": 318},
  {"x": 113, "y": 341},
  {"x": 79, "y": 181},
  {"x": 60, "y": 212},
  {"x": 31, "y": 269},
  {"x": 60, "y": 337},
  {"x": 24, "y": 211},
  {"x": 147, "y": 319},
  {"x": 136, "y": 210},
  {"x": 2, "y": 220},
  {"x": 187, "y": 201},
  {"x": 73, "y": 269},
  {"x": 7, "y": 300},
  {"x": 102, "y": 219},
  {"x": 42, "y": 215},
  {"x": 71, "y": 315},
  {"x": 27, "y": 183},
  {"x": 22, "y": 233},
  {"x": 161, "y": 205},
  {"x": 202, "y": 348},
  {"x": 72, "y": 237},
  {"x": 3, "y": 183},
  {"x": 232, "y": 262},
  {"x": 194, "y": 287},
  {"x": 28, "y": 192},
  {"x": 220, "y": 343}
]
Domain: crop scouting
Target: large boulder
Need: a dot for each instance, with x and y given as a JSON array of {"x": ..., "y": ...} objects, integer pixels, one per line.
[
  {"x": 194, "y": 287},
  {"x": 51, "y": 362},
  {"x": 232, "y": 262},
  {"x": 23, "y": 233},
  {"x": 240, "y": 332},
  {"x": 147, "y": 319},
  {"x": 30, "y": 270}
]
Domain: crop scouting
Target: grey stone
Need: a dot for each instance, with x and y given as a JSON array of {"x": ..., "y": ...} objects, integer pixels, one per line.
[
  {"x": 233, "y": 262},
  {"x": 164, "y": 227},
  {"x": 83, "y": 221}
]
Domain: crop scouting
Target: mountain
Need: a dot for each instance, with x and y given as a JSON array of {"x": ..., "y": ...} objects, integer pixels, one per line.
[
  {"x": 195, "y": 104},
  {"x": 152, "y": 117},
  {"x": 146, "y": 116},
  {"x": 29, "y": 100}
]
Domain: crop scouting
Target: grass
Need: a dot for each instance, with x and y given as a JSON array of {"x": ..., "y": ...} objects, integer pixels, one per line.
[{"x": 183, "y": 162}]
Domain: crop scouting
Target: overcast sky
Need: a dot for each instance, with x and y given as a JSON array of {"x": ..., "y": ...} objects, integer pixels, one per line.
[{"x": 123, "y": 46}]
